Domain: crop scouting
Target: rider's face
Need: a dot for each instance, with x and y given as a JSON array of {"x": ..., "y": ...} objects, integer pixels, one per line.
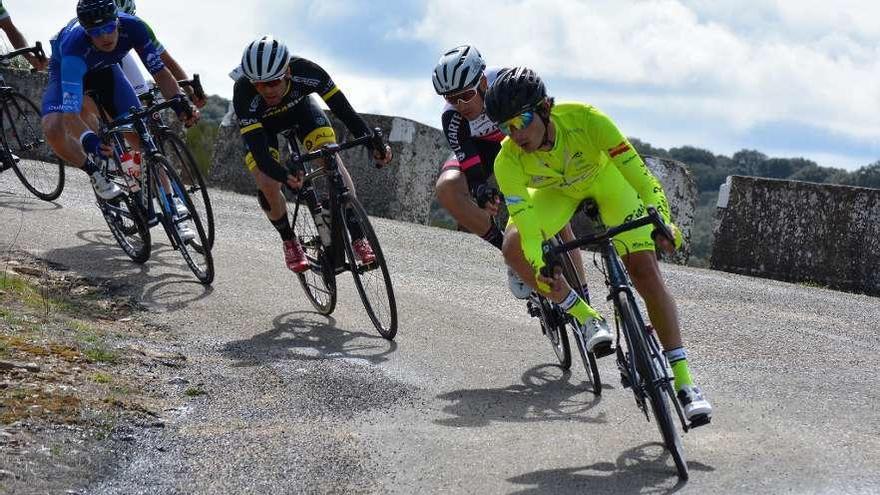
[
  {"x": 272, "y": 91},
  {"x": 531, "y": 137},
  {"x": 106, "y": 42},
  {"x": 470, "y": 104}
]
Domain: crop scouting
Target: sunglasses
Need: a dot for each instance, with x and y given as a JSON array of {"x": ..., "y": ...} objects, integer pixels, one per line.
[
  {"x": 465, "y": 96},
  {"x": 269, "y": 84},
  {"x": 517, "y": 123},
  {"x": 99, "y": 31}
]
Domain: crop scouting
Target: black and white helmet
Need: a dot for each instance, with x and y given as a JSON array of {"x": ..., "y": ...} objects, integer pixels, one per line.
[
  {"x": 126, "y": 6},
  {"x": 458, "y": 69},
  {"x": 265, "y": 59}
]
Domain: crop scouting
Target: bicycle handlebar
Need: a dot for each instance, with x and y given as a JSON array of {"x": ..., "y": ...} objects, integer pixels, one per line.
[
  {"x": 36, "y": 50},
  {"x": 196, "y": 84},
  {"x": 552, "y": 252},
  {"x": 374, "y": 141},
  {"x": 136, "y": 113}
]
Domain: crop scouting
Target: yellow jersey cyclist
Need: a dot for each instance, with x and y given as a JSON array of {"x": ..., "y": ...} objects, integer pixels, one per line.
[
  {"x": 556, "y": 156},
  {"x": 272, "y": 94},
  {"x": 17, "y": 39}
]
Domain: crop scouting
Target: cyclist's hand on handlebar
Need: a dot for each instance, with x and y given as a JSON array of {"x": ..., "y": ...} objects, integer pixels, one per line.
[
  {"x": 554, "y": 288},
  {"x": 37, "y": 63},
  {"x": 488, "y": 198},
  {"x": 198, "y": 102},
  {"x": 295, "y": 180},
  {"x": 383, "y": 157},
  {"x": 667, "y": 245},
  {"x": 190, "y": 117}
]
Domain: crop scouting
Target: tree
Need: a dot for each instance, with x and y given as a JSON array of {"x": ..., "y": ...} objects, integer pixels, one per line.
[
  {"x": 690, "y": 155},
  {"x": 749, "y": 162}
]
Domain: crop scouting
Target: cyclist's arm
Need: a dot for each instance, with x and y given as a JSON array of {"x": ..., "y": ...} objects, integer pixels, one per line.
[
  {"x": 314, "y": 77},
  {"x": 627, "y": 160},
  {"x": 257, "y": 142},
  {"x": 513, "y": 183},
  {"x": 15, "y": 37},
  {"x": 458, "y": 135},
  {"x": 343, "y": 109}
]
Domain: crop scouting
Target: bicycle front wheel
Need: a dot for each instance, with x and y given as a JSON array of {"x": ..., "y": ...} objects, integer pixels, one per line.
[
  {"x": 193, "y": 246},
  {"x": 372, "y": 280},
  {"x": 553, "y": 325},
  {"x": 23, "y": 136},
  {"x": 181, "y": 159},
  {"x": 591, "y": 367},
  {"x": 652, "y": 383},
  {"x": 319, "y": 282}
]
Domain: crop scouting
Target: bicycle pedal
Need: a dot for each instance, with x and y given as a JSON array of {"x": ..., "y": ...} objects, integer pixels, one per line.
[{"x": 700, "y": 420}]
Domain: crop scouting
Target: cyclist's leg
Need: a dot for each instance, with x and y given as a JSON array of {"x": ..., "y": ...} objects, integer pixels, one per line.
[
  {"x": 62, "y": 130},
  {"x": 454, "y": 195}
]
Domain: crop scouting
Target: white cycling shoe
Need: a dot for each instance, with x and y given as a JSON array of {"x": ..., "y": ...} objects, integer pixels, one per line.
[
  {"x": 696, "y": 407},
  {"x": 105, "y": 189},
  {"x": 597, "y": 336},
  {"x": 518, "y": 288}
]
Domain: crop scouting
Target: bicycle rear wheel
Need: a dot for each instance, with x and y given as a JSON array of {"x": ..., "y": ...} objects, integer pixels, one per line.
[
  {"x": 373, "y": 281},
  {"x": 651, "y": 383},
  {"x": 553, "y": 327},
  {"x": 23, "y": 136},
  {"x": 128, "y": 226},
  {"x": 181, "y": 159},
  {"x": 587, "y": 358},
  {"x": 319, "y": 282},
  {"x": 196, "y": 251}
]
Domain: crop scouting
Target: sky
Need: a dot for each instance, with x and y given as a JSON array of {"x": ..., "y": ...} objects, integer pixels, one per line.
[{"x": 790, "y": 78}]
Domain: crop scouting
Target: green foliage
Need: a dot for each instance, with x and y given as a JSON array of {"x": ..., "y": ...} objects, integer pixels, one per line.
[{"x": 200, "y": 139}]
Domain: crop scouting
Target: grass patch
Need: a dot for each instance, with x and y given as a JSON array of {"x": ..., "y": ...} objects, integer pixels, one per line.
[
  {"x": 100, "y": 354},
  {"x": 101, "y": 378},
  {"x": 21, "y": 404},
  {"x": 195, "y": 392}
]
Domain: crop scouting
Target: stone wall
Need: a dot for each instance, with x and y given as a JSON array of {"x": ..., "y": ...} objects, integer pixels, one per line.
[
  {"x": 799, "y": 232},
  {"x": 32, "y": 85}
]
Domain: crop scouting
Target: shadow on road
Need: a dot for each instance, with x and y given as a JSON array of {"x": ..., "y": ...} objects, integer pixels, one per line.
[
  {"x": 101, "y": 258},
  {"x": 25, "y": 202},
  {"x": 546, "y": 394},
  {"x": 308, "y": 336},
  {"x": 647, "y": 468}
]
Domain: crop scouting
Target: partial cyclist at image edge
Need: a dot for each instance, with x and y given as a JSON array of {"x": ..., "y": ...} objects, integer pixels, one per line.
[
  {"x": 17, "y": 38},
  {"x": 556, "y": 156},
  {"x": 272, "y": 94},
  {"x": 85, "y": 56}
]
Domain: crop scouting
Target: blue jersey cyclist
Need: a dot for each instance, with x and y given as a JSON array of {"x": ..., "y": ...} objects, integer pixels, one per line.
[{"x": 85, "y": 56}]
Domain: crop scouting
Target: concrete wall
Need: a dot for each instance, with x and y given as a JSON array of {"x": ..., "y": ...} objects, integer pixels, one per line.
[
  {"x": 32, "y": 85},
  {"x": 799, "y": 232}
]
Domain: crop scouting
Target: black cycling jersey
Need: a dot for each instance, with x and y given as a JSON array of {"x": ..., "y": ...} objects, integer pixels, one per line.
[{"x": 260, "y": 123}]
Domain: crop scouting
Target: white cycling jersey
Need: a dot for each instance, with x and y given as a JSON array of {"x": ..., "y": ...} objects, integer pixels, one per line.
[{"x": 133, "y": 74}]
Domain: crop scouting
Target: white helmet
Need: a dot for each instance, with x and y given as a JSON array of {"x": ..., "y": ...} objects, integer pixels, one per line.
[
  {"x": 265, "y": 59},
  {"x": 458, "y": 69},
  {"x": 126, "y": 6}
]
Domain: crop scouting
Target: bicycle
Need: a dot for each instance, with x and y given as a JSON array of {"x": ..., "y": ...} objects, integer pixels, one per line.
[
  {"x": 640, "y": 360},
  {"x": 22, "y": 146},
  {"x": 325, "y": 235},
  {"x": 131, "y": 217},
  {"x": 554, "y": 322},
  {"x": 175, "y": 149}
]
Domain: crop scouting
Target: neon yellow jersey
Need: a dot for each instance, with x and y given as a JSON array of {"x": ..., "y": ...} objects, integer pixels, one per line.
[{"x": 587, "y": 142}]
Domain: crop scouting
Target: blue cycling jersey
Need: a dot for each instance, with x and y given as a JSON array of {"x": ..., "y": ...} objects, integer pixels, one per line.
[{"x": 74, "y": 54}]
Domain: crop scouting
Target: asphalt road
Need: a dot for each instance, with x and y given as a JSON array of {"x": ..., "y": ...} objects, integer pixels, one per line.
[{"x": 467, "y": 398}]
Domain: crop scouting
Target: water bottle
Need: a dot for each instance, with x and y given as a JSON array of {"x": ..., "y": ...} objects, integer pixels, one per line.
[
  {"x": 131, "y": 164},
  {"x": 322, "y": 221}
]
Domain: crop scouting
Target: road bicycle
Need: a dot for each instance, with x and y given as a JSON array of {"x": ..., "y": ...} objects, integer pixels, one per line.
[
  {"x": 175, "y": 149},
  {"x": 335, "y": 220},
  {"x": 146, "y": 185},
  {"x": 22, "y": 145},
  {"x": 640, "y": 360}
]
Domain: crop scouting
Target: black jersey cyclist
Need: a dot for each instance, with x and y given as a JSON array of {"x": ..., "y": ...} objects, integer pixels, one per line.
[{"x": 272, "y": 94}]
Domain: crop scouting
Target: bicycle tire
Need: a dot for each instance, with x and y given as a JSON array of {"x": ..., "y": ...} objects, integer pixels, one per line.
[
  {"x": 204, "y": 268},
  {"x": 126, "y": 235},
  {"x": 652, "y": 384},
  {"x": 553, "y": 326},
  {"x": 181, "y": 159},
  {"x": 22, "y": 135},
  {"x": 388, "y": 329},
  {"x": 591, "y": 366},
  {"x": 319, "y": 282}
]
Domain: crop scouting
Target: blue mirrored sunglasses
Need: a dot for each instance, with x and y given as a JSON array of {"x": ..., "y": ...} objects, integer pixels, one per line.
[
  {"x": 102, "y": 30},
  {"x": 517, "y": 123}
]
